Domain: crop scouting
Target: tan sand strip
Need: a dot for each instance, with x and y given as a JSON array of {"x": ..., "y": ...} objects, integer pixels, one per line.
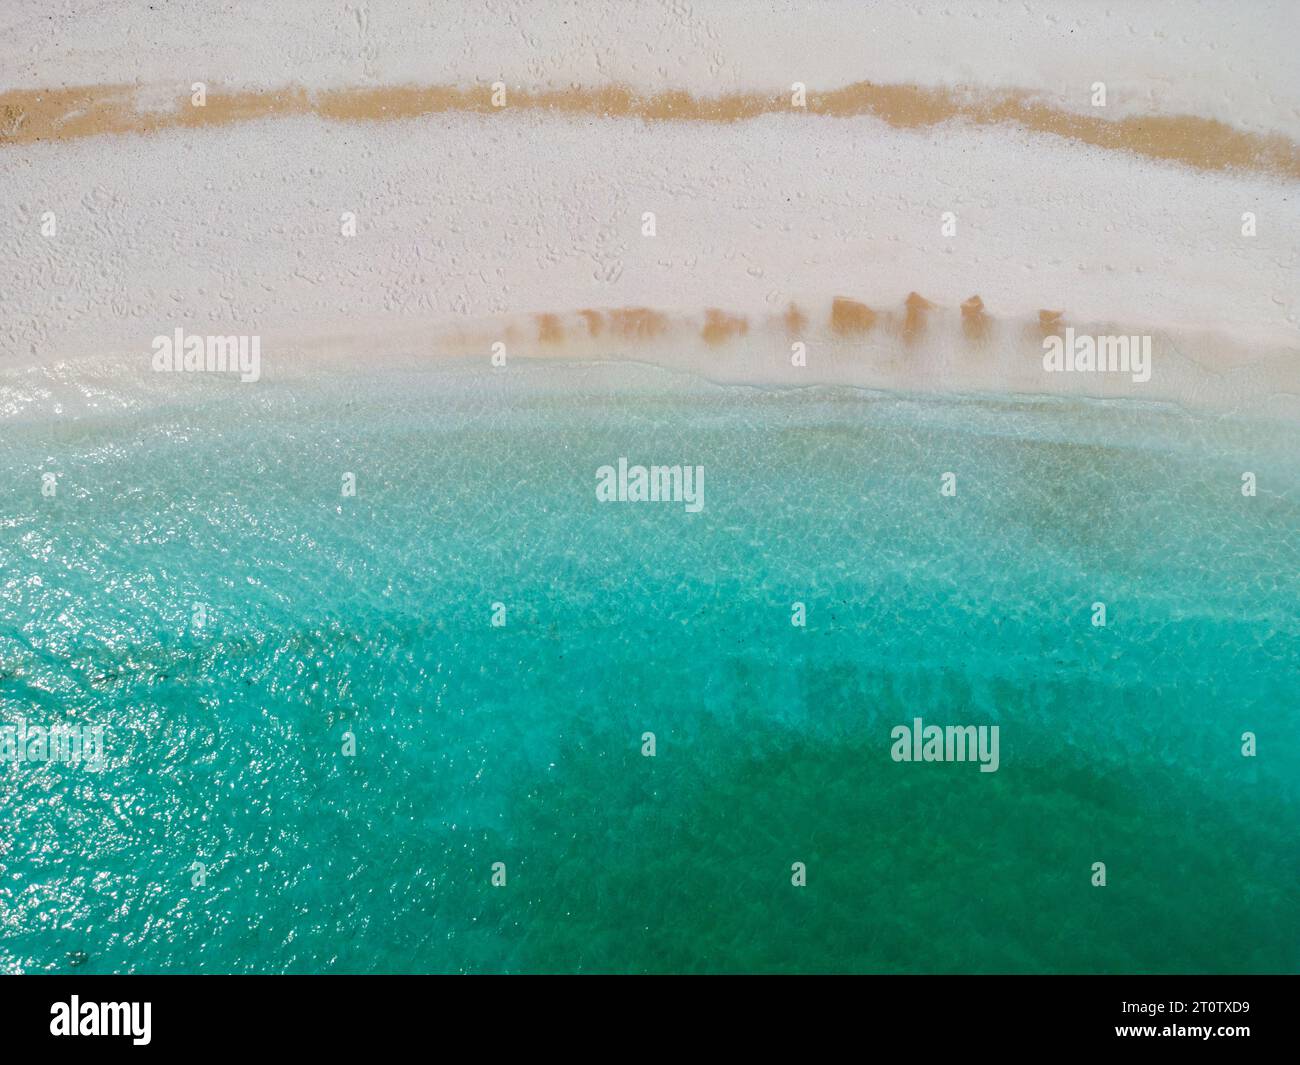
[{"x": 31, "y": 115}]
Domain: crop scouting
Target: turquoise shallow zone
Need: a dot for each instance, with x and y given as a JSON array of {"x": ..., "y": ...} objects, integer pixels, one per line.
[{"x": 522, "y": 744}]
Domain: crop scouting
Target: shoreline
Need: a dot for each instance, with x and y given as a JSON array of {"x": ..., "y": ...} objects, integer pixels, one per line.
[{"x": 1005, "y": 363}]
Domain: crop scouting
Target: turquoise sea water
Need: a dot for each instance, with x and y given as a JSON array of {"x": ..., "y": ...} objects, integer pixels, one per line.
[{"x": 522, "y": 744}]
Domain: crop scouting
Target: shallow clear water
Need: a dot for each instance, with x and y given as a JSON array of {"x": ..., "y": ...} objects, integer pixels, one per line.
[{"x": 522, "y": 744}]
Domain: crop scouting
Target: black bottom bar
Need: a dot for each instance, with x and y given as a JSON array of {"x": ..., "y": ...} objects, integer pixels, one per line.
[{"x": 924, "y": 1013}]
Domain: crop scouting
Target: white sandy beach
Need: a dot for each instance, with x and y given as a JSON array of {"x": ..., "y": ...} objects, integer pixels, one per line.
[{"x": 473, "y": 227}]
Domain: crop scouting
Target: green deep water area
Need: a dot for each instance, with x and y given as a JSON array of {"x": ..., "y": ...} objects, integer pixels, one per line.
[{"x": 201, "y": 588}]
